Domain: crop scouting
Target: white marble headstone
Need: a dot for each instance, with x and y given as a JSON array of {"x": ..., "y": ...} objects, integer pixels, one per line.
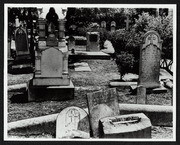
[{"x": 72, "y": 122}]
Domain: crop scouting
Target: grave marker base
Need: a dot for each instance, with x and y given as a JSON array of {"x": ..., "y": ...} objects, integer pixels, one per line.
[
  {"x": 53, "y": 93},
  {"x": 125, "y": 126}
]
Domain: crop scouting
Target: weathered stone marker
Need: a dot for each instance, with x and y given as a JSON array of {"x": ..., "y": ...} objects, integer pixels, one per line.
[
  {"x": 125, "y": 126},
  {"x": 72, "y": 122},
  {"x": 21, "y": 42},
  {"x": 103, "y": 24},
  {"x": 150, "y": 55},
  {"x": 101, "y": 103},
  {"x": 93, "y": 41},
  {"x": 113, "y": 26},
  {"x": 141, "y": 95}
]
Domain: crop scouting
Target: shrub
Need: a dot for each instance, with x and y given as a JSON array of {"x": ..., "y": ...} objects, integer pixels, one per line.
[{"x": 125, "y": 62}]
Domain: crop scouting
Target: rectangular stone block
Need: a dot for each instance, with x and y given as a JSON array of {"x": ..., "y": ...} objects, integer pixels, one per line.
[
  {"x": 53, "y": 93},
  {"x": 51, "y": 81},
  {"x": 93, "y": 41},
  {"x": 125, "y": 126}
]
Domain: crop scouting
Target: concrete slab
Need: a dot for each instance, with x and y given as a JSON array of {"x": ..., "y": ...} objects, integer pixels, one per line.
[
  {"x": 83, "y": 66},
  {"x": 122, "y": 84},
  {"x": 89, "y": 55}
]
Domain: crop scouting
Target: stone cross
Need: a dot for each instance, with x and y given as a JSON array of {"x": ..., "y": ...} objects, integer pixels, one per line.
[{"x": 127, "y": 22}]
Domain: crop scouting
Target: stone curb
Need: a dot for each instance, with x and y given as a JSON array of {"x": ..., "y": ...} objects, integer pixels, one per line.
[{"x": 159, "y": 115}]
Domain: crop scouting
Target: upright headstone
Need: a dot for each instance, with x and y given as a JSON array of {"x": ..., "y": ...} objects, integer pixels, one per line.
[
  {"x": 101, "y": 104},
  {"x": 103, "y": 24},
  {"x": 72, "y": 122},
  {"x": 71, "y": 43},
  {"x": 113, "y": 26},
  {"x": 150, "y": 56},
  {"x": 21, "y": 41},
  {"x": 93, "y": 41}
]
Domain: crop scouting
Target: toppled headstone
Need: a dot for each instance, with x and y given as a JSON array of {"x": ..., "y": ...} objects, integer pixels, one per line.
[
  {"x": 72, "y": 122},
  {"x": 125, "y": 126},
  {"x": 101, "y": 103}
]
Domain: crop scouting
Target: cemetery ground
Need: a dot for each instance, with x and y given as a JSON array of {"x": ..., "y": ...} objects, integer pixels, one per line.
[{"x": 103, "y": 71}]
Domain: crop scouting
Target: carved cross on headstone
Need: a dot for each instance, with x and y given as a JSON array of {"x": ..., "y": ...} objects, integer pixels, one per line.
[
  {"x": 127, "y": 22},
  {"x": 74, "y": 116},
  {"x": 151, "y": 38}
]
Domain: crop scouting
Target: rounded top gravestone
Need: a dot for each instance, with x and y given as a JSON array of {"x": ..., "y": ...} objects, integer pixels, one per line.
[
  {"x": 150, "y": 56},
  {"x": 72, "y": 122}
]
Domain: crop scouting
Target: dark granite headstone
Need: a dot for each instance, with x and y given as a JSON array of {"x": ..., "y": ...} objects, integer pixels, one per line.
[
  {"x": 93, "y": 41},
  {"x": 21, "y": 42}
]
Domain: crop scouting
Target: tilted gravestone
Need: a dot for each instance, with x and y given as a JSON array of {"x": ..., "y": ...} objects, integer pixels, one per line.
[
  {"x": 72, "y": 122},
  {"x": 93, "y": 41},
  {"x": 21, "y": 42},
  {"x": 150, "y": 55},
  {"x": 101, "y": 104}
]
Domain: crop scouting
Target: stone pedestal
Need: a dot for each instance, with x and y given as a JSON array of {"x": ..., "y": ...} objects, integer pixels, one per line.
[
  {"x": 53, "y": 93},
  {"x": 125, "y": 126},
  {"x": 51, "y": 80}
]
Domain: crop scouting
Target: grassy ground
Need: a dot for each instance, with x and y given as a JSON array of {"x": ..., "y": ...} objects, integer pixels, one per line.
[{"x": 102, "y": 72}]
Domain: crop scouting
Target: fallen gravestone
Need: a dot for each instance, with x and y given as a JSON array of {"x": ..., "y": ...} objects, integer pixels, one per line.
[
  {"x": 101, "y": 104},
  {"x": 150, "y": 55},
  {"x": 125, "y": 126},
  {"x": 72, "y": 122}
]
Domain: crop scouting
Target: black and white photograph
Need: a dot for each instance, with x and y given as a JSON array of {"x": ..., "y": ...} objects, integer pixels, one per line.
[{"x": 90, "y": 72}]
